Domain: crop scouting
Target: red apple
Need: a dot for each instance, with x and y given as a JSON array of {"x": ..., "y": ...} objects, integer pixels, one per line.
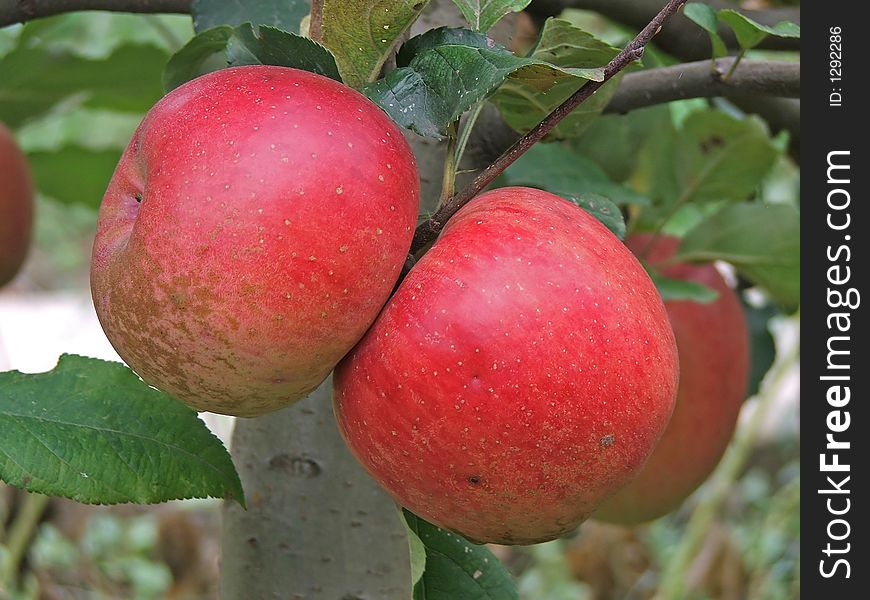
[
  {"x": 713, "y": 344},
  {"x": 253, "y": 229},
  {"x": 16, "y": 206},
  {"x": 522, "y": 372}
]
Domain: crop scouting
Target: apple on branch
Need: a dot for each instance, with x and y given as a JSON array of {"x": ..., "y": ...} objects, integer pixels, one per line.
[
  {"x": 254, "y": 227},
  {"x": 16, "y": 206},
  {"x": 522, "y": 372}
]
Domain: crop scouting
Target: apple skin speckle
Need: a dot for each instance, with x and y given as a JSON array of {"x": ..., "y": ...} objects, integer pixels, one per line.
[
  {"x": 504, "y": 444},
  {"x": 217, "y": 252}
]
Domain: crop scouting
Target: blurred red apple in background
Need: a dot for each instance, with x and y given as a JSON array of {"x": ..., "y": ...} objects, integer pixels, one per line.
[
  {"x": 713, "y": 344},
  {"x": 16, "y": 206},
  {"x": 253, "y": 229},
  {"x": 522, "y": 372}
]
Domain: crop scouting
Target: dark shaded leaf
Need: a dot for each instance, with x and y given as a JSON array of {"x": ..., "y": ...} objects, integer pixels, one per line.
[
  {"x": 445, "y": 72},
  {"x": 225, "y": 46},
  {"x": 456, "y": 568},
  {"x": 762, "y": 348},
  {"x": 283, "y": 14},
  {"x": 602, "y": 209}
]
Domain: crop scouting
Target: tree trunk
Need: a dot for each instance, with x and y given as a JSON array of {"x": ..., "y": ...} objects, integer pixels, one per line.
[{"x": 317, "y": 526}]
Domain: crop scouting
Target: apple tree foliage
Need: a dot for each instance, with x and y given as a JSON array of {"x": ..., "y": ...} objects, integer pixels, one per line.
[{"x": 74, "y": 87}]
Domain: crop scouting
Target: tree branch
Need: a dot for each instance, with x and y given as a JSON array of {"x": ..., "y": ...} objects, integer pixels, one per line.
[
  {"x": 427, "y": 231},
  {"x": 20, "y": 11},
  {"x": 680, "y": 36},
  {"x": 700, "y": 80}
]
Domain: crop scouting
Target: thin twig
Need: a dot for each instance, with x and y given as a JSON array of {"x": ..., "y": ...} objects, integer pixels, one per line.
[
  {"x": 467, "y": 128},
  {"x": 315, "y": 25},
  {"x": 736, "y": 62},
  {"x": 20, "y": 533},
  {"x": 429, "y": 229},
  {"x": 448, "y": 180}
]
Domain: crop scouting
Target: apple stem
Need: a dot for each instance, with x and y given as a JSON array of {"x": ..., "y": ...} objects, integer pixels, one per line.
[
  {"x": 736, "y": 62},
  {"x": 470, "y": 122},
  {"x": 427, "y": 231},
  {"x": 448, "y": 181}
]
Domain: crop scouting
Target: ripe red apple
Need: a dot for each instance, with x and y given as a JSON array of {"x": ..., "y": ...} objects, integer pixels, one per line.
[
  {"x": 16, "y": 206},
  {"x": 713, "y": 344},
  {"x": 252, "y": 230},
  {"x": 522, "y": 372}
]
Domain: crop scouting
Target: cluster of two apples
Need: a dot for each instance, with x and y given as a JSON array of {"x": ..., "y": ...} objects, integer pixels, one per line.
[{"x": 248, "y": 245}]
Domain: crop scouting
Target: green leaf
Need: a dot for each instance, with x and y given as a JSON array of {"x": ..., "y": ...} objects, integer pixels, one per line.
[
  {"x": 270, "y": 46},
  {"x": 705, "y": 16},
  {"x": 456, "y": 568},
  {"x": 33, "y": 80},
  {"x": 614, "y": 142},
  {"x": 750, "y": 33},
  {"x": 655, "y": 174},
  {"x": 720, "y": 157},
  {"x": 283, "y": 14},
  {"x": 418, "y": 551},
  {"x": 74, "y": 175},
  {"x": 97, "y": 35},
  {"x": 445, "y": 72},
  {"x": 761, "y": 240},
  {"x": 681, "y": 289},
  {"x": 523, "y": 104},
  {"x": 225, "y": 46},
  {"x": 362, "y": 33},
  {"x": 92, "y": 431},
  {"x": 557, "y": 169},
  {"x": 483, "y": 14},
  {"x": 713, "y": 157},
  {"x": 602, "y": 209},
  {"x": 762, "y": 350}
]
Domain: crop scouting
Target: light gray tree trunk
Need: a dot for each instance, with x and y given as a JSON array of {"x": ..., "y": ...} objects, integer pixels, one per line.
[{"x": 317, "y": 526}]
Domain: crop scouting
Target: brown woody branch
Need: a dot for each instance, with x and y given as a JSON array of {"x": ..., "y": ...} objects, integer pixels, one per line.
[
  {"x": 427, "y": 231},
  {"x": 704, "y": 80},
  {"x": 21, "y": 11}
]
